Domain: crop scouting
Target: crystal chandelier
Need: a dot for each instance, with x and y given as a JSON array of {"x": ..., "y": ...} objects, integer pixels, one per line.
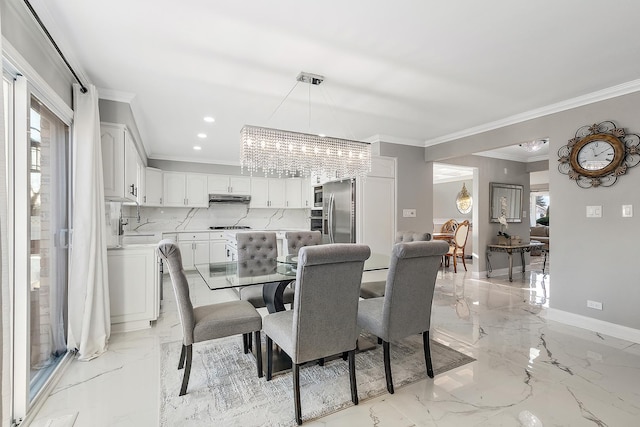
[
  {"x": 286, "y": 153},
  {"x": 534, "y": 145}
]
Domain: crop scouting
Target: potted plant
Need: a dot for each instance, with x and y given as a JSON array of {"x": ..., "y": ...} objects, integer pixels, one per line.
[{"x": 504, "y": 238}]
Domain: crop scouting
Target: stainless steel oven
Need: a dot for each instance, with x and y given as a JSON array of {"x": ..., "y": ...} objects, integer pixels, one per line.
[
  {"x": 316, "y": 220},
  {"x": 317, "y": 197}
]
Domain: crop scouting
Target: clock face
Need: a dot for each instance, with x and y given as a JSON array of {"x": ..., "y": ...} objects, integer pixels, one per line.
[{"x": 596, "y": 155}]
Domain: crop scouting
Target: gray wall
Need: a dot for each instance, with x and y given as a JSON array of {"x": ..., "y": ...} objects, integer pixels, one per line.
[
  {"x": 120, "y": 112},
  {"x": 414, "y": 186},
  {"x": 444, "y": 200},
  {"x": 24, "y": 34},
  {"x": 593, "y": 258},
  {"x": 485, "y": 232},
  {"x": 170, "y": 165}
]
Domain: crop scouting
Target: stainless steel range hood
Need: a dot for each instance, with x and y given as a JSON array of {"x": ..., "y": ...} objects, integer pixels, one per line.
[{"x": 229, "y": 198}]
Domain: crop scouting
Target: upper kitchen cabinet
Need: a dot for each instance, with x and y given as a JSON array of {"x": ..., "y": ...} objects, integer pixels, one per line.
[
  {"x": 307, "y": 194},
  {"x": 293, "y": 193},
  {"x": 229, "y": 184},
  {"x": 185, "y": 189},
  {"x": 152, "y": 187},
  {"x": 268, "y": 193},
  {"x": 120, "y": 161}
]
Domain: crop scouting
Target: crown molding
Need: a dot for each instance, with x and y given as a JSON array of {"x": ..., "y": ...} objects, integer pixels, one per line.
[
  {"x": 503, "y": 156},
  {"x": 590, "y": 98},
  {"x": 393, "y": 140},
  {"x": 116, "y": 95}
]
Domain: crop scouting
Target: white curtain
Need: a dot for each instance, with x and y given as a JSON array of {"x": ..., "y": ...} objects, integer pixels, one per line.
[{"x": 89, "y": 313}]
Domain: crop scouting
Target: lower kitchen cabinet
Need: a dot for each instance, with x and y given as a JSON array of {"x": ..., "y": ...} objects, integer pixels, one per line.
[
  {"x": 194, "y": 248},
  {"x": 134, "y": 282},
  {"x": 217, "y": 247}
]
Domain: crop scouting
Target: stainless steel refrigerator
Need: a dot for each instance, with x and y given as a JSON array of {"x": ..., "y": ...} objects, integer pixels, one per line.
[{"x": 339, "y": 211}]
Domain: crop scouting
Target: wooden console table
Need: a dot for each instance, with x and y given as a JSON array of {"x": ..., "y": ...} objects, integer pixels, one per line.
[{"x": 510, "y": 249}]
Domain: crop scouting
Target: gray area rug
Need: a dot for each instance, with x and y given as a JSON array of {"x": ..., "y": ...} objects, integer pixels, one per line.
[{"x": 224, "y": 389}]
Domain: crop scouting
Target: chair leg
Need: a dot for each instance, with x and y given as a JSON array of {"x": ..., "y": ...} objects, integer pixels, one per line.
[
  {"x": 245, "y": 343},
  {"x": 249, "y": 342},
  {"x": 345, "y": 355},
  {"x": 258, "y": 353},
  {"x": 182, "y": 353},
  {"x": 321, "y": 361},
  {"x": 379, "y": 340},
  {"x": 352, "y": 377},
  {"x": 455, "y": 264},
  {"x": 387, "y": 366},
  {"x": 187, "y": 370},
  {"x": 463, "y": 261},
  {"x": 427, "y": 353},
  {"x": 296, "y": 392},
  {"x": 269, "y": 357}
]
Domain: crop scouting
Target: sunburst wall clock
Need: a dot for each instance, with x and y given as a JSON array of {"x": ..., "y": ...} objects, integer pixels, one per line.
[{"x": 599, "y": 154}]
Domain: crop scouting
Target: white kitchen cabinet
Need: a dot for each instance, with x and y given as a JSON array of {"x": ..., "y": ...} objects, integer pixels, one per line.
[
  {"x": 134, "y": 292},
  {"x": 376, "y": 210},
  {"x": 141, "y": 179},
  {"x": 293, "y": 193},
  {"x": 217, "y": 247},
  {"x": 268, "y": 193},
  {"x": 229, "y": 184},
  {"x": 194, "y": 248},
  {"x": 307, "y": 194},
  {"x": 119, "y": 162},
  {"x": 152, "y": 187},
  {"x": 196, "y": 190},
  {"x": 185, "y": 189}
]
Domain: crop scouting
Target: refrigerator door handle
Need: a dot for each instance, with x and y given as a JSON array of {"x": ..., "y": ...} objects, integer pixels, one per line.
[{"x": 332, "y": 207}]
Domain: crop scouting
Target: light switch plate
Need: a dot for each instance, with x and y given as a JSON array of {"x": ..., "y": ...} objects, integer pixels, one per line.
[
  {"x": 627, "y": 211},
  {"x": 409, "y": 213},
  {"x": 594, "y": 211}
]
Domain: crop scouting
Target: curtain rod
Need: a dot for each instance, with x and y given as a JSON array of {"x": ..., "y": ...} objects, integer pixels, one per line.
[{"x": 83, "y": 89}]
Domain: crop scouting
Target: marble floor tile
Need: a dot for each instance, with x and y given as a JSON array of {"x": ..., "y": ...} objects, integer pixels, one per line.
[{"x": 529, "y": 371}]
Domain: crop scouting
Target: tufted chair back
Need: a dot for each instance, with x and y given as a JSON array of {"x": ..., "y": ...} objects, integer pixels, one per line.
[
  {"x": 412, "y": 236},
  {"x": 299, "y": 239},
  {"x": 257, "y": 252}
]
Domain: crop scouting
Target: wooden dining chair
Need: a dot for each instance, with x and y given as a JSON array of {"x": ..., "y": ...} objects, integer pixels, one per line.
[
  {"x": 456, "y": 248},
  {"x": 207, "y": 322}
]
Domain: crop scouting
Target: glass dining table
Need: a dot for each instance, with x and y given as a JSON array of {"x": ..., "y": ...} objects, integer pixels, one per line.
[
  {"x": 282, "y": 271},
  {"x": 229, "y": 275}
]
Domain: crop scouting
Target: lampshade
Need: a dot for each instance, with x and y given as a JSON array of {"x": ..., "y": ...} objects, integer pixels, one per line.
[
  {"x": 464, "y": 201},
  {"x": 287, "y": 153},
  {"x": 534, "y": 145}
]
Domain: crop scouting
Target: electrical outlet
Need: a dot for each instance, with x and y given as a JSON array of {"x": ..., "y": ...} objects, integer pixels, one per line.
[
  {"x": 594, "y": 304},
  {"x": 594, "y": 211},
  {"x": 409, "y": 213}
]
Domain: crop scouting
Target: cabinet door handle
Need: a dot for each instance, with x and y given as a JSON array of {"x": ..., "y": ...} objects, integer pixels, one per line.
[{"x": 160, "y": 200}]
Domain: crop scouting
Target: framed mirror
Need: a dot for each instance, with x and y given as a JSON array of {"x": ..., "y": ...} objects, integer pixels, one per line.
[{"x": 506, "y": 200}]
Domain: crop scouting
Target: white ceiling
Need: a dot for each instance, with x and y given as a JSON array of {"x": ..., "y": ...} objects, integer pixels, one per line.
[{"x": 414, "y": 72}]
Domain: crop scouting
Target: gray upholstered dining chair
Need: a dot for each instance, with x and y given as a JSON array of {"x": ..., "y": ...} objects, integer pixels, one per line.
[
  {"x": 207, "y": 322},
  {"x": 258, "y": 253},
  {"x": 376, "y": 289},
  {"x": 322, "y": 321},
  {"x": 299, "y": 239},
  {"x": 405, "y": 308}
]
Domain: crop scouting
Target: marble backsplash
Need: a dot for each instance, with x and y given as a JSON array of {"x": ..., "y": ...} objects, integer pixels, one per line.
[{"x": 186, "y": 219}]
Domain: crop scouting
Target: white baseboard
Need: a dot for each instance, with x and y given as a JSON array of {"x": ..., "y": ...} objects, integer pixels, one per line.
[{"x": 591, "y": 324}]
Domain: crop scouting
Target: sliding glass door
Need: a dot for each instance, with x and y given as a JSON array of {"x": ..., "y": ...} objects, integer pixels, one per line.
[{"x": 38, "y": 184}]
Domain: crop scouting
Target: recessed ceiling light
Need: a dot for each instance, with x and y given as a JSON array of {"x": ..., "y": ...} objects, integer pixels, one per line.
[
  {"x": 197, "y": 147},
  {"x": 202, "y": 135},
  {"x": 209, "y": 119}
]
